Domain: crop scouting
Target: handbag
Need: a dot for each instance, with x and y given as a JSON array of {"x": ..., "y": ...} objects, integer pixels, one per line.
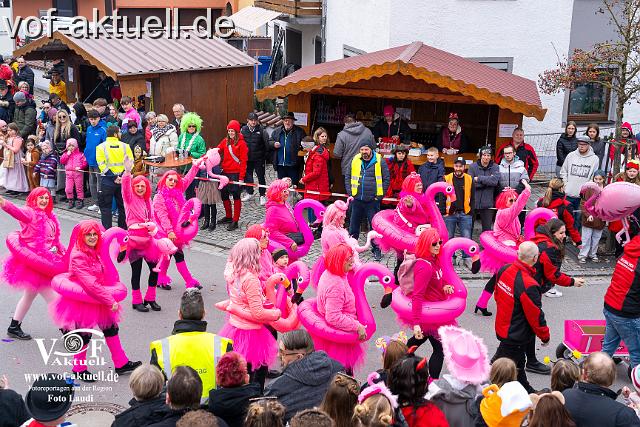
[{"x": 8, "y": 159}]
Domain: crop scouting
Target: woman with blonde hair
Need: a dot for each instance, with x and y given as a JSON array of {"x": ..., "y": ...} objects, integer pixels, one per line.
[
  {"x": 164, "y": 137},
  {"x": 146, "y": 383},
  {"x": 340, "y": 399}
]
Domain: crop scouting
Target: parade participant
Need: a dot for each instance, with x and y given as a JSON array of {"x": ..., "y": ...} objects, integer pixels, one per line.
[
  {"x": 167, "y": 204},
  {"x": 234, "y": 152},
  {"x": 428, "y": 286},
  {"x": 280, "y": 260},
  {"x": 136, "y": 194},
  {"x": 279, "y": 218},
  {"x": 337, "y": 304},
  {"x": 509, "y": 204},
  {"x": 245, "y": 291},
  {"x": 191, "y": 142},
  {"x": 400, "y": 167},
  {"x": 87, "y": 269},
  {"x": 260, "y": 233},
  {"x": 40, "y": 235},
  {"x": 630, "y": 174}
]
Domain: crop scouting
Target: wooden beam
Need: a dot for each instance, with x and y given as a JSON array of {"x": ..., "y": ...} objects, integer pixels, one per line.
[{"x": 397, "y": 94}]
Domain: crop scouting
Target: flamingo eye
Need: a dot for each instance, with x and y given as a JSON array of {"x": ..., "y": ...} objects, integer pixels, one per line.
[
  {"x": 322, "y": 213},
  {"x": 473, "y": 249},
  {"x": 386, "y": 280},
  {"x": 300, "y": 279},
  {"x": 449, "y": 189},
  {"x": 126, "y": 239}
]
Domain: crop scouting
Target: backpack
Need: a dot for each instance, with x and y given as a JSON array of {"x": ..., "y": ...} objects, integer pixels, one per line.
[{"x": 405, "y": 273}]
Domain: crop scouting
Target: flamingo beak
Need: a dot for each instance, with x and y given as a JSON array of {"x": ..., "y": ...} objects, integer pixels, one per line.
[
  {"x": 475, "y": 258},
  {"x": 286, "y": 283}
]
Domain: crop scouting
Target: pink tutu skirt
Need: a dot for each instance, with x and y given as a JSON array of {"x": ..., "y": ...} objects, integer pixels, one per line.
[
  {"x": 72, "y": 314},
  {"x": 258, "y": 346},
  {"x": 352, "y": 356},
  {"x": 21, "y": 276}
]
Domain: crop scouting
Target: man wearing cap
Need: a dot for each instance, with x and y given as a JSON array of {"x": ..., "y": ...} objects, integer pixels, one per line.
[
  {"x": 58, "y": 103},
  {"x": 486, "y": 179},
  {"x": 388, "y": 127},
  {"x": 57, "y": 85},
  {"x": 348, "y": 142},
  {"x": 48, "y": 400},
  {"x": 368, "y": 180},
  {"x": 7, "y": 104},
  {"x": 286, "y": 141},
  {"x": 25, "y": 115},
  {"x": 458, "y": 212},
  {"x": 257, "y": 140},
  {"x": 578, "y": 168}
]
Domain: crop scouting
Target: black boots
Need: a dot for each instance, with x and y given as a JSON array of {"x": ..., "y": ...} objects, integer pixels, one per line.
[
  {"x": 214, "y": 214},
  {"x": 207, "y": 217},
  {"x": 15, "y": 331},
  {"x": 484, "y": 311},
  {"x": 128, "y": 367},
  {"x": 154, "y": 305},
  {"x": 140, "y": 307}
]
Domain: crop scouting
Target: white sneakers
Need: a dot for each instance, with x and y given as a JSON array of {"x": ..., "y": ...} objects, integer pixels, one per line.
[
  {"x": 93, "y": 208},
  {"x": 246, "y": 197},
  {"x": 553, "y": 293}
]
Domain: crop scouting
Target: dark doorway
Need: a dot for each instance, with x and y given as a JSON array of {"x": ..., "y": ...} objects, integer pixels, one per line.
[
  {"x": 108, "y": 7},
  {"x": 318, "y": 50},
  {"x": 293, "y": 47}
]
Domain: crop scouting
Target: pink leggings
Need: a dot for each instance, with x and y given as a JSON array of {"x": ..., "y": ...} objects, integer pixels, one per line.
[{"x": 74, "y": 179}]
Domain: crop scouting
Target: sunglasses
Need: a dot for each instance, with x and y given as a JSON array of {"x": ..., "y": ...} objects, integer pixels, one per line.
[
  {"x": 438, "y": 243},
  {"x": 192, "y": 126},
  {"x": 172, "y": 179}
]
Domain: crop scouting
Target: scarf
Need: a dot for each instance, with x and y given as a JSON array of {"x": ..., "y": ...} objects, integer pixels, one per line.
[
  {"x": 159, "y": 132},
  {"x": 451, "y": 143},
  {"x": 174, "y": 201}
]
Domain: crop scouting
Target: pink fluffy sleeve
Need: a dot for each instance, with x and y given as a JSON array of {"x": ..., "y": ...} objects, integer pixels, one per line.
[
  {"x": 84, "y": 273},
  {"x": 127, "y": 193},
  {"x": 160, "y": 212},
  {"x": 518, "y": 206},
  {"x": 334, "y": 302},
  {"x": 20, "y": 214},
  {"x": 273, "y": 222},
  {"x": 253, "y": 290},
  {"x": 190, "y": 176}
]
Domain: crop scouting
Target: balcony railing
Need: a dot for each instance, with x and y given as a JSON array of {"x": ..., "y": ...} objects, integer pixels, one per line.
[{"x": 292, "y": 7}]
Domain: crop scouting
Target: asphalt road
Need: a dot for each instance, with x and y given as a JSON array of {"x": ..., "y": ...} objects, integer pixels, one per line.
[{"x": 19, "y": 359}]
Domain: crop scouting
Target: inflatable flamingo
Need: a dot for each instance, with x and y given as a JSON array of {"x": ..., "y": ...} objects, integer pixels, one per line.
[
  {"x": 397, "y": 226},
  {"x": 299, "y": 272},
  {"x": 495, "y": 253},
  {"x": 615, "y": 202},
  {"x": 440, "y": 312},
  {"x": 212, "y": 159},
  {"x": 303, "y": 249}
]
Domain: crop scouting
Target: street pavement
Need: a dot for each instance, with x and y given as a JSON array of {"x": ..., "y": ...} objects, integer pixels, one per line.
[{"x": 206, "y": 259}]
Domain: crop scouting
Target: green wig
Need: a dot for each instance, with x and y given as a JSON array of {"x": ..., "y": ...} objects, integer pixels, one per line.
[{"x": 190, "y": 119}]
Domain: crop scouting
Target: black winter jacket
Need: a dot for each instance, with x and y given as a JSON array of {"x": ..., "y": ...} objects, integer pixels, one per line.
[
  {"x": 231, "y": 404},
  {"x": 141, "y": 414},
  {"x": 7, "y": 107},
  {"x": 564, "y": 146},
  {"x": 25, "y": 74},
  {"x": 293, "y": 146},
  {"x": 137, "y": 139},
  {"x": 486, "y": 187},
  {"x": 257, "y": 142},
  {"x": 170, "y": 417},
  {"x": 591, "y": 405}
]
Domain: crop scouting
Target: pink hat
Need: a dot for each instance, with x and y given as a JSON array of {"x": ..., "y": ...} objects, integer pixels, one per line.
[
  {"x": 465, "y": 355},
  {"x": 388, "y": 110},
  {"x": 377, "y": 388}
]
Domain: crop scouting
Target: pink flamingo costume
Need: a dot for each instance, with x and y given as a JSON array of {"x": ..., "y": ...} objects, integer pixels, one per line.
[
  {"x": 169, "y": 210},
  {"x": 35, "y": 254},
  {"x": 74, "y": 163}
]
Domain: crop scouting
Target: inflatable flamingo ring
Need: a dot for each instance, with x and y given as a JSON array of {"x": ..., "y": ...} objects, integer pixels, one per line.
[
  {"x": 496, "y": 254},
  {"x": 616, "y": 201},
  {"x": 440, "y": 312},
  {"x": 278, "y": 298},
  {"x": 50, "y": 265},
  {"x": 397, "y": 226},
  {"x": 67, "y": 288},
  {"x": 212, "y": 159}
]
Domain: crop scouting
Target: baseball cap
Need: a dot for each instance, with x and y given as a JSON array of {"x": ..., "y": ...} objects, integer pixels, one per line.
[
  {"x": 460, "y": 160},
  {"x": 252, "y": 116}
]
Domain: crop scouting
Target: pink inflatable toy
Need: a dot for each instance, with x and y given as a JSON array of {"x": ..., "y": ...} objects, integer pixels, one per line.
[
  {"x": 616, "y": 201},
  {"x": 496, "y": 254},
  {"x": 212, "y": 159},
  {"x": 439, "y": 312},
  {"x": 398, "y": 226}
]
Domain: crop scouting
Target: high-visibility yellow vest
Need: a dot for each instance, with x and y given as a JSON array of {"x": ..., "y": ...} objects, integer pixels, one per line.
[
  {"x": 198, "y": 350},
  {"x": 356, "y": 168},
  {"x": 110, "y": 155}
]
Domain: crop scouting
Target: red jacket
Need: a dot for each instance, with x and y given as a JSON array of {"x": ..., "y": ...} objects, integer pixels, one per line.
[
  {"x": 316, "y": 173},
  {"x": 548, "y": 266},
  {"x": 623, "y": 295},
  {"x": 526, "y": 153},
  {"x": 518, "y": 299},
  {"x": 397, "y": 172},
  {"x": 427, "y": 414},
  {"x": 240, "y": 150},
  {"x": 561, "y": 207}
]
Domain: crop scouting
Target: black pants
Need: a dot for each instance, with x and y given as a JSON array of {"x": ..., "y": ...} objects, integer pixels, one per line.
[
  {"x": 258, "y": 167},
  {"x": 486, "y": 218},
  {"x": 111, "y": 331},
  {"x": 105, "y": 199},
  {"x": 490, "y": 286},
  {"x": 191, "y": 189},
  {"x": 179, "y": 256},
  {"x": 136, "y": 272},
  {"x": 288, "y": 172},
  {"x": 231, "y": 189},
  {"x": 517, "y": 353},
  {"x": 436, "y": 359}
]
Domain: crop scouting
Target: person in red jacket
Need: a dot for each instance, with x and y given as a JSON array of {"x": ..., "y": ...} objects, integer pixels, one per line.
[
  {"x": 234, "y": 152},
  {"x": 519, "y": 317},
  {"x": 622, "y": 304},
  {"x": 316, "y": 173},
  {"x": 399, "y": 168},
  {"x": 555, "y": 199},
  {"x": 524, "y": 151}
]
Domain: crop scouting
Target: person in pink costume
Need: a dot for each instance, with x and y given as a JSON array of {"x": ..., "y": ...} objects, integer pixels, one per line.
[
  {"x": 337, "y": 304},
  {"x": 279, "y": 218},
  {"x": 412, "y": 186},
  {"x": 75, "y": 162},
  {"x": 167, "y": 204},
  {"x": 252, "y": 339},
  {"x": 86, "y": 268},
  {"x": 136, "y": 195},
  {"x": 40, "y": 237},
  {"x": 267, "y": 268},
  {"x": 428, "y": 286}
]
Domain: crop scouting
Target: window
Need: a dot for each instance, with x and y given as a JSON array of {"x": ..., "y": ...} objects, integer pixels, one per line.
[
  {"x": 349, "y": 51},
  {"x": 589, "y": 102},
  {"x": 5, "y": 3},
  {"x": 502, "y": 64},
  {"x": 67, "y": 8}
]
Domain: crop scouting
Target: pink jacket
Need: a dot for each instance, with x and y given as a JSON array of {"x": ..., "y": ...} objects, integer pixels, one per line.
[
  {"x": 137, "y": 208},
  {"x": 132, "y": 114},
  {"x": 245, "y": 291},
  {"x": 40, "y": 232},
  {"x": 267, "y": 266},
  {"x": 279, "y": 221},
  {"x": 74, "y": 161},
  {"x": 507, "y": 225},
  {"x": 427, "y": 286},
  {"x": 336, "y": 302},
  {"x": 86, "y": 269},
  {"x": 332, "y": 236},
  {"x": 167, "y": 204}
]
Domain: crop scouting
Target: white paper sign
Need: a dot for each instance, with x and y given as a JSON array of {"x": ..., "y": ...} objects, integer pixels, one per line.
[
  {"x": 70, "y": 72},
  {"x": 301, "y": 118},
  {"x": 148, "y": 94},
  {"x": 506, "y": 130}
]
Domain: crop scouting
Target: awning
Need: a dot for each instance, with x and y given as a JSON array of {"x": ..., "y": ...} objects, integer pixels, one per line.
[{"x": 249, "y": 19}]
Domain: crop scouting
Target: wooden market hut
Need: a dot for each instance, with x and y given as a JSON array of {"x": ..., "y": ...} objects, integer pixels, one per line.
[{"x": 208, "y": 76}]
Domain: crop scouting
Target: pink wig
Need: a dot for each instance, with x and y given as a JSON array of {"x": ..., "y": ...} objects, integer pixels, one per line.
[
  {"x": 85, "y": 227},
  {"x": 336, "y": 257},
  {"x": 256, "y": 231},
  {"x": 138, "y": 179},
  {"x": 427, "y": 238},
  {"x": 245, "y": 256},
  {"x": 32, "y": 199},
  {"x": 501, "y": 200},
  {"x": 274, "y": 192},
  {"x": 162, "y": 184},
  {"x": 410, "y": 182},
  {"x": 336, "y": 213},
  {"x": 231, "y": 370}
]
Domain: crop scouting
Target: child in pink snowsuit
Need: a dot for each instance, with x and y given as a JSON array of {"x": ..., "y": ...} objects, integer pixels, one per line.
[{"x": 75, "y": 162}]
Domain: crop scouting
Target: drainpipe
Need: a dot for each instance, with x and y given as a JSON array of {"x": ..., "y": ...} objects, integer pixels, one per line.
[{"x": 323, "y": 32}]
